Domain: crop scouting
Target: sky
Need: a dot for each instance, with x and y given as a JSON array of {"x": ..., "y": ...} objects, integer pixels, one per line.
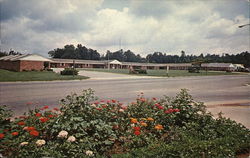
[{"x": 142, "y": 26}]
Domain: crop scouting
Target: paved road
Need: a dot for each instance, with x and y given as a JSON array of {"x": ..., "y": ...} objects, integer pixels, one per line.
[{"x": 209, "y": 89}]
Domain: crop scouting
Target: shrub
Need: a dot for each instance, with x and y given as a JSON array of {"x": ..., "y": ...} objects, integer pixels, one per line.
[
  {"x": 49, "y": 69},
  {"x": 69, "y": 71},
  {"x": 138, "y": 71},
  {"x": 193, "y": 69},
  {"x": 83, "y": 126}
]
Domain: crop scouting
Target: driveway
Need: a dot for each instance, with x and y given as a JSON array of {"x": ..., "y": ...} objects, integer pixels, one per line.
[{"x": 95, "y": 75}]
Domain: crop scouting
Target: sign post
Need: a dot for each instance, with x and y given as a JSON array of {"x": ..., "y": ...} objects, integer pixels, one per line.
[
  {"x": 73, "y": 68},
  {"x": 167, "y": 70}
]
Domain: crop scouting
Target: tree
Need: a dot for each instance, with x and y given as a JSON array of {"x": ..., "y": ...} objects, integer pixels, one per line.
[
  {"x": 3, "y": 54},
  {"x": 183, "y": 57},
  {"x": 70, "y": 52}
]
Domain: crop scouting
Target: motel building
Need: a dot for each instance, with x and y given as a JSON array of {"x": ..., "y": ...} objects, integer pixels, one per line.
[{"x": 30, "y": 62}]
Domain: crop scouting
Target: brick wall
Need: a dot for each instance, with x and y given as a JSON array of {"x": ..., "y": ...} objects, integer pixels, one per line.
[
  {"x": 31, "y": 65},
  {"x": 10, "y": 65}
]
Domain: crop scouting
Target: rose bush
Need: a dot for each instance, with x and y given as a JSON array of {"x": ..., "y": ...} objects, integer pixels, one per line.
[{"x": 86, "y": 127}]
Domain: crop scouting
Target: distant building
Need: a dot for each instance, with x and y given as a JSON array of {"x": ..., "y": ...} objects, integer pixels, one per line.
[
  {"x": 23, "y": 62},
  {"x": 218, "y": 66},
  {"x": 37, "y": 62},
  {"x": 114, "y": 64}
]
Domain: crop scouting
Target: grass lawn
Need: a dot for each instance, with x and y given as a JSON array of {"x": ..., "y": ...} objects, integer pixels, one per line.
[
  {"x": 10, "y": 76},
  {"x": 163, "y": 73}
]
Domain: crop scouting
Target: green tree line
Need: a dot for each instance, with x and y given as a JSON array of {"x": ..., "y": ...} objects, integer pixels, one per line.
[
  {"x": 12, "y": 52},
  {"x": 81, "y": 52}
]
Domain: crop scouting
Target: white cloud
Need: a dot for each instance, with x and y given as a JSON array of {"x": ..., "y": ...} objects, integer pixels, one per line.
[{"x": 143, "y": 26}]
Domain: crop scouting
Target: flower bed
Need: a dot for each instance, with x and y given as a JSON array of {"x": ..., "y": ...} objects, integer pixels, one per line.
[{"x": 86, "y": 127}]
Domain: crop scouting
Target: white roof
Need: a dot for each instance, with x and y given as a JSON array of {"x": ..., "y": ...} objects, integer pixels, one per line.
[
  {"x": 239, "y": 65},
  {"x": 218, "y": 65},
  {"x": 27, "y": 57},
  {"x": 115, "y": 62}
]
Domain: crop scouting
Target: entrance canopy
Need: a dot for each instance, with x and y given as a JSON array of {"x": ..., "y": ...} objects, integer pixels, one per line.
[{"x": 115, "y": 62}]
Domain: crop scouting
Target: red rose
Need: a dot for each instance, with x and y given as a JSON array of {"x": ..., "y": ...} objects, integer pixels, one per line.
[
  {"x": 156, "y": 104},
  {"x": 124, "y": 107},
  {"x": 38, "y": 114},
  {"x": 6, "y": 130},
  {"x": 176, "y": 110},
  {"x": 34, "y": 133},
  {"x": 99, "y": 109},
  {"x": 56, "y": 109},
  {"x": 14, "y": 133},
  {"x": 43, "y": 119},
  {"x": 171, "y": 110},
  {"x": 1, "y": 135},
  {"x": 137, "y": 133},
  {"x": 46, "y": 107},
  {"x": 137, "y": 128},
  {"x": 50, "y": 116},
  {"x": 143, "y": 100},
  {"x": 104, "y": 106},
  {"x": 22, "y": 117},
  {"x": 96, "y": 102},
  {"x": 30, "y": 128},
  {"x": 115, "y": 127},
  {"x": 154, "y": 98},
  {"x": 167, "y": 112},
  {"x": 160, "y": 107},
  {"x": 21, "y": 123}
]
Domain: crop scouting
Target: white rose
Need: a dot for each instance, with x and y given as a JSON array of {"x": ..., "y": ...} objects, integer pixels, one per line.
[
  {"x": 121, "y": 110},
  {"x": 89, "y": 153},
  {"x": 93, "y": 105},
  {"x": 71, "y": 139},
  {"x": 62, "y": 134},
  {"x": 24, "y": 143},
  {"x": 40, "y": 142}
]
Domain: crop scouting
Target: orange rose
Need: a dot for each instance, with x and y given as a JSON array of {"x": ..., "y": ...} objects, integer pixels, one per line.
[
  {"x": 150, "y": 119},
  {"x": 144, "y": 124},
  {"x": 158, "y": 127},
  {"x": 133, "y": 120}
]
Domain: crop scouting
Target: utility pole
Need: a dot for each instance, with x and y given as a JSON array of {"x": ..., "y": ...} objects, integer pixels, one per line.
[
  {"x": 108, "y": 59},
  {"x": 120, "y": 43}
]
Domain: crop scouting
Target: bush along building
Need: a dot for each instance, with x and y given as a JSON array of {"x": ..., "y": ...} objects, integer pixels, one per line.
[{"x": 30, "y": 62}]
